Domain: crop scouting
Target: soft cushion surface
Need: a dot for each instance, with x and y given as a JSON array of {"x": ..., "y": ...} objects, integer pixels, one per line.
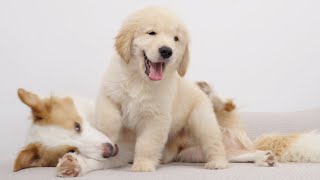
[{"x": 256, "y": 123}]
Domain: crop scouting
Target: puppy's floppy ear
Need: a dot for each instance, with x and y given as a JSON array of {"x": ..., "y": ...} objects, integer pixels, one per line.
[
  {"x": 37, "y": 106},
  {"x": 124, "y": 40},
  {"x": 28, "y": 157},
  {"x": 184, "y": 63}
]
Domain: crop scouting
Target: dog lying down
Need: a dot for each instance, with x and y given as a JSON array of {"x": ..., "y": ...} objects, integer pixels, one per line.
[{"x": 63, "y": 134}]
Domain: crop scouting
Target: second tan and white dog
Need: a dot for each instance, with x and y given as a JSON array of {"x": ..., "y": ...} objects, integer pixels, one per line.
[{"x": 292, "y": 147}]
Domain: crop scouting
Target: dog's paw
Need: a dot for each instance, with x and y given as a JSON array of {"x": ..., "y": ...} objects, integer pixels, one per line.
[
  {"x": 68, "y": 166},
  {"x": 217, "y": 164},
  {"x": 265, "y": 158},
  {"x": 143, "y": 166}
]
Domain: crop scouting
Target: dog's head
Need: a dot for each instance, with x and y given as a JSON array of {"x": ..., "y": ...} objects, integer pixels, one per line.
[
  {"x": 59, "y": 125},
  {"x": 155, "y": 42}
]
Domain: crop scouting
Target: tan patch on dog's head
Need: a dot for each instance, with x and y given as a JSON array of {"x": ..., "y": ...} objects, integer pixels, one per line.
[
  {"x": 278, "y": 144},
  {"x": 51, "y": 111},
  {"x": 36, "y": 155}
]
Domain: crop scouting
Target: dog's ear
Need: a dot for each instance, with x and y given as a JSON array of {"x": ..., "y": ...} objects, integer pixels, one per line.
[
  {"x": 37, "y": 106},
  {"x": 123, "y": 42},
  {"x": 184, "y": 63},
  {"x": 28, "y": 157}
]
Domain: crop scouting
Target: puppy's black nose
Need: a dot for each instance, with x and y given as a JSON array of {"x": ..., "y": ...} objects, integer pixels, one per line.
[{"x": 165, "y": 52}]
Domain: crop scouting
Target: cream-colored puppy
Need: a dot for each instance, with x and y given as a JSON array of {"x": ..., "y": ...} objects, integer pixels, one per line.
[{"x": 144, "y": 91}]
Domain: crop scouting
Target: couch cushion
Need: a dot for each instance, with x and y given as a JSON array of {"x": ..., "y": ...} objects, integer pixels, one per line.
[
  {"x": 258, "y": 123},
  {"x": 178, "y": 171}
]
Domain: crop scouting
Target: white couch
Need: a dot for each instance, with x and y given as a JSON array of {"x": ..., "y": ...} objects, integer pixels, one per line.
[{"x": 257, "y": 123}]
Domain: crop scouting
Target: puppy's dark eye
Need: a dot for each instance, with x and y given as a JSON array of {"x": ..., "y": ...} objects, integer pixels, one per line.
[
  {"x": 77, "y": 127},
  {"x": 176, "y": 38},
  {"x": 152, "y": 33}
]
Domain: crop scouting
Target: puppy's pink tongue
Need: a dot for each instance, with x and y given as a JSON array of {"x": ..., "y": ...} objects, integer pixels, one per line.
[{"x": 155, "y": 71}]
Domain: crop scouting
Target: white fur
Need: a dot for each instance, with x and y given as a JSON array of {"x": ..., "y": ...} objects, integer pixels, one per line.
[
  {"x": 89, "y": 141},
  {"x": 153, "y": 110},
  {"x": 305, "y": 149}
]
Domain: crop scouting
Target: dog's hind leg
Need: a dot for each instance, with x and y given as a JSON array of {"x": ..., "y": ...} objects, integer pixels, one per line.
[{"x": 204, "y": 127}]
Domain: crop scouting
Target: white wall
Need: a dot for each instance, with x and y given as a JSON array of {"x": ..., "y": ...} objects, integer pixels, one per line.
[{"x": 265, "y": 54}]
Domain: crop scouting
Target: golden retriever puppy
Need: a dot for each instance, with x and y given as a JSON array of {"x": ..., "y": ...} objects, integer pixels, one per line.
[{"x": 144, "y": 91}]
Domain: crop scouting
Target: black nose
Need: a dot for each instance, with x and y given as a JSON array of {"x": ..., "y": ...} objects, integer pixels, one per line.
[{"x": 165, "y": 52}]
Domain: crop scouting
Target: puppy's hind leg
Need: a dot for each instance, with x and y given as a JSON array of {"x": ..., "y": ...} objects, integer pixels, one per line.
[{"x": 205, "y": 128}]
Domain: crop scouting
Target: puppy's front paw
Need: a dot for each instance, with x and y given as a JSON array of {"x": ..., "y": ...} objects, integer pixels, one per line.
[
  {"x": 217, "y": 164},
  {"x": 265, "y": 158},
  {"x": 143, "y": 166},
  {"x": 68, "y": 166}
]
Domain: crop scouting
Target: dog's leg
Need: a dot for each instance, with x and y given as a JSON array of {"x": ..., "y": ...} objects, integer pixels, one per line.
[
  {"x": 170, "y": 152},
  {"x": 73, "y": 165},
  {"x": 151, "y": 138},
  {"x": 192, "y": 155},
  {"x": 261, "y": 158},
  {"x": 108, "y": 118},
  {"x": 205, "y": 128}
]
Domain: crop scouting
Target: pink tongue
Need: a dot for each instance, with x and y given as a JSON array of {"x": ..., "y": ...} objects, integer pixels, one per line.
[{"x": 155, "y": 71}]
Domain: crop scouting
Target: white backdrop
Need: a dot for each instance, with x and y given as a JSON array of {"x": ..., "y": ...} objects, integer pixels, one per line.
[{"x": 264, "y": 54}]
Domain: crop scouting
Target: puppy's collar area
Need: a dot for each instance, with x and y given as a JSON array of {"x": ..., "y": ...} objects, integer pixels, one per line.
[{"x": 153, "y": 70}]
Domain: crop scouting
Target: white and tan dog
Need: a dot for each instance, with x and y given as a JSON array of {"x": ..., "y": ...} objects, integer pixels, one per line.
[
  {"x": 144, "y": 91},
  {"x": 61, "y": 125},
  {"x": 265, "y": 150}
]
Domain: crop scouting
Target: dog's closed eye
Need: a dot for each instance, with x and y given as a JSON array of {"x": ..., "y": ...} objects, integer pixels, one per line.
[{"x": 152, "y": 33}]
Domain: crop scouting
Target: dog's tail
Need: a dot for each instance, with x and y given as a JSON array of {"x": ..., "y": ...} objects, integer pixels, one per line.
[{"x": 295, "y": 147}]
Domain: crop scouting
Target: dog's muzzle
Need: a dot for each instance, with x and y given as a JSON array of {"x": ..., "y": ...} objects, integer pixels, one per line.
[{"x": 153, "y": 70}]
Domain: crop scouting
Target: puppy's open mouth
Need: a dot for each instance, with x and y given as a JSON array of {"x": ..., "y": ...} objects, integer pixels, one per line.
[{"x": 153, "y": 70}]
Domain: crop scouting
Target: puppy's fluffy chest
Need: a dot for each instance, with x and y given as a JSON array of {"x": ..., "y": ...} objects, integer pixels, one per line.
[{"x": 140, "y": 100}]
